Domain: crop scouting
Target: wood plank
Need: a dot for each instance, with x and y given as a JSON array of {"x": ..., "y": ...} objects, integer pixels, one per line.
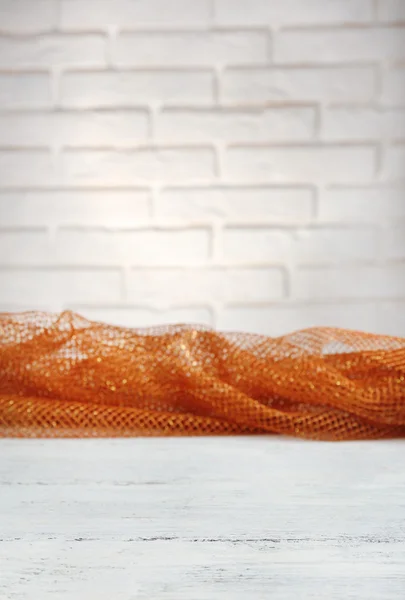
[{"x": 202, "y": 518}]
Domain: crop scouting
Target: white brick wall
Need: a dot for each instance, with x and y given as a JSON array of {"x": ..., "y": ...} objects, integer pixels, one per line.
[{"x": 239, "y": 164}]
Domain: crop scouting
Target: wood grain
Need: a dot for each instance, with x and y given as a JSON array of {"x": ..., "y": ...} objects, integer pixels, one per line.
[{"x": 201, "y": 519}]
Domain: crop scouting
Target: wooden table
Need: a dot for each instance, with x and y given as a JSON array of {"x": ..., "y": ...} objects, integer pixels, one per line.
[{"x": 200, "y": 519}]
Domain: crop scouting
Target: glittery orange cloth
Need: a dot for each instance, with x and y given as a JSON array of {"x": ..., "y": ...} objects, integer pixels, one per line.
[{"x": 65, "y": 376}]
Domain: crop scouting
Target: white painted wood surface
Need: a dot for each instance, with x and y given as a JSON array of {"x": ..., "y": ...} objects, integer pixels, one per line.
[{"x": 201, "y": 519}]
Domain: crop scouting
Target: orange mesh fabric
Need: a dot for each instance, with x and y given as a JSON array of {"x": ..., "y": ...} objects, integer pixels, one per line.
[{"x": 65, "y": 376}]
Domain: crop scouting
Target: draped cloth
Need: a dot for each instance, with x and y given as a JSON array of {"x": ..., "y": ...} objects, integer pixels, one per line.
[{"x": 64, "y": 376}]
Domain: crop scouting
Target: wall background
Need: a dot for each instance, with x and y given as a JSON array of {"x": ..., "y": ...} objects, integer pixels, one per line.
[{"x": 237, "y": 163}]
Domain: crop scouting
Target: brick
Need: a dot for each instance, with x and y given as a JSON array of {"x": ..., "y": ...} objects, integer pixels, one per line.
[
  {"x": 275, "y": 124},
  {"x": 258, "y": 86},
  {"x": 393, "y": 87},
  {"x": 113, "y": 208},
  {"x": 24, "y": 90},
  {"x": 102, "y": 14},
  {"x": 137, "y": 167},
  {"x": 54, "y": 288},
  {"x": 136, "y": 88},
  {"x": 17, "y": 307},
  {"x": 391, "y": 10},
  {"x": 391, "y": 318},
  {"x": 362, "y": 124},
  {"x": 132, "y": 247},
  {"x": 303, "y": 246},
  {"x": 362, "y": 204},
  {"x": 24, "y": 168},
  {"x": 362, "y": 282},
  {"x": 23, "y": 247},
  {"x": 185, "y": 286},
  {"x": 255, "y": 245},
  {"x": 392, "y": 242},
  {"x": 301, "y": 164},
  {"x": 333, "y": 245},
  {"x": 292, "y": 12},
  {"x": 52, "y": 51},
  {"x": 134, "y": 317},
  {"x": 281, "y": 319},
  {"x": 20, "y": 16},
  {"x": 338, "y": 45},
  {"x": 236, "y": 204},
  {"x": 86, "y": 129},
  {"x": 393, "y": 164},
  {"x": 192, "y": 48}
]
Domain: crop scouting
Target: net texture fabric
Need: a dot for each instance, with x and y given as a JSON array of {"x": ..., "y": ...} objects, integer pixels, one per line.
[{"x": 64, "y": 376}]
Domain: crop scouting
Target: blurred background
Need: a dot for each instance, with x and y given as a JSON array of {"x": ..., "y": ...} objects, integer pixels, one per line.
[{"x": 228, "y": 162}]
